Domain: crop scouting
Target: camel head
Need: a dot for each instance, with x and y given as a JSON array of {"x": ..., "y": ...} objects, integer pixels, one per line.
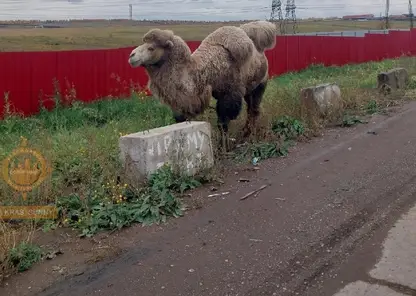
[{"x": 156, "y": 44}]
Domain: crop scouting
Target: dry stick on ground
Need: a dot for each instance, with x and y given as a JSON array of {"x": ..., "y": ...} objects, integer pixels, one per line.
[{"x": 253, "y": 192}]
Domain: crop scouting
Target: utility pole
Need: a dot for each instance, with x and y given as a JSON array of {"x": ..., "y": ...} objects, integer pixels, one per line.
[
  {"x": 277, "y": 9},
  {"x": 411, "y": 14},
  {"x": 291, "y": 14},
  {"x": 131, "y": 11},
  {"x": 387, "y": 24}
]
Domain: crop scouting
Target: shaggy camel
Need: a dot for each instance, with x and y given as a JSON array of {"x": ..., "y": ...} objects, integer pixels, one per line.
[{"x": 229, "y": 65}]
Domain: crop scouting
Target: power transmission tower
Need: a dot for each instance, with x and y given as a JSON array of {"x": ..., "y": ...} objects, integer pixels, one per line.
[
  {"x": 294, "y": 19},
  {"x": 131, "y": 11},
  {"x": 387, "y": 23},
  {"x": 277, "y": 9},
  {"x": 411, "y": 14},
  {"x": 291, "y": 14}
]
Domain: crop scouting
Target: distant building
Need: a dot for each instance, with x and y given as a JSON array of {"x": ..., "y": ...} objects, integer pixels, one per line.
[
  {"x": 399, "y": 17},
  {"x": 358, "y": 17}
]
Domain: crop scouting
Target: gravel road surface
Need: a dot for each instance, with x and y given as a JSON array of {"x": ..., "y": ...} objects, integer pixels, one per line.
[{"x": 329, "y": 223}]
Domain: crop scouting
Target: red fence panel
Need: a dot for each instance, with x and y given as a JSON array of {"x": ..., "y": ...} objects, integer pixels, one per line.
[
  {"x": 306, "y": 49},
  {"x": 375, "y": 48},
  {"x": 317, "y": 54},
  {"x": 43, "y": 67},
  {"x": 401, "y": 41},
  {"x": 32, "y": 78},
  {"x": 17, "y": 75},
  {"x": 278, "y": 57},
  {"x": 193, "y": 45},
  {"x": 357, "y": 50},
  {"x": 413, "y": 42},
  {"x": 292, "y": 54}
]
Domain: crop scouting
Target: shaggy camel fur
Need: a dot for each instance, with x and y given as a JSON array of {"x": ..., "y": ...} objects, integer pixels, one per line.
[{"x": 229, "y": 65}]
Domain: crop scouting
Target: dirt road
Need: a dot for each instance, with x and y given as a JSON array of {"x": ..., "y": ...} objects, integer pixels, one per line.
[{"x": 317, "y": 227}]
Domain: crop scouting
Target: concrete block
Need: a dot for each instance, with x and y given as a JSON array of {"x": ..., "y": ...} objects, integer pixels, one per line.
[
  {"x": 395, "y": 79},
  {"x": 322, "y": 100},
  {"x": 186, "y": 146}
]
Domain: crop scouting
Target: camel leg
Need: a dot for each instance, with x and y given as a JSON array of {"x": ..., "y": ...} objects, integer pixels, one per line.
[
  {"x": 228, "y": 108},
  {"x": 253, "y": 100},
  {"x": 178, "y": 117}
]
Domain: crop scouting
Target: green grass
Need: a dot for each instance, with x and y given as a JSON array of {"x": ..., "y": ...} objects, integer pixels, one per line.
[{"x": 81, "y": 142}]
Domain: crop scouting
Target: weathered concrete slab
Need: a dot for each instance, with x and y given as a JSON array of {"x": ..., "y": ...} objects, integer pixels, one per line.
[
  {"x": 322, "y": 100},
  {"x": 365, "y": 289},
  {"x": 186, "y": 146},
  {"x": 398, "y": 262},
  {"x": 394, "y": 79}
]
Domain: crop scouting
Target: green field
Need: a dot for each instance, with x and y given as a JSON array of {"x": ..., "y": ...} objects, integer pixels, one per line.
[{"x": 97, "y": 35}]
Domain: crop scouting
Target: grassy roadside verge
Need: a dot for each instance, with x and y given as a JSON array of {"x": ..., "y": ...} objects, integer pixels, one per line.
[{"x": 87, "y": 184}]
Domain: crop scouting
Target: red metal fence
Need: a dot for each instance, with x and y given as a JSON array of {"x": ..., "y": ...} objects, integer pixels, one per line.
[{"x": 30, "y": 78}]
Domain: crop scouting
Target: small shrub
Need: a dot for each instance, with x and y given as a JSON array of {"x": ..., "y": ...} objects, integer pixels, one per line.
[
  {"x": 288, "y": 127},
  {"x": 412, "y": 83},
  {"x": 349, "y": 120},
  {"x": 114, "y": 206},
  {"x": 165, "y": 178},
  {"x": 372, "y": 107},
  {"x": 263, "y": 150},
  {"x": 24, "y": 256}
]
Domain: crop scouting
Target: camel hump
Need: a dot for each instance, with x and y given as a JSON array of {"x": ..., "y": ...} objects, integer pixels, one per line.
[
  {"x": 234, "y": 40},
  {"x": 262, "y": 33}
]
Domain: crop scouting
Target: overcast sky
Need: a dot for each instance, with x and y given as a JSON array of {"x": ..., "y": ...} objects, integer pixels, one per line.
[{"x": 186, "y": 9}]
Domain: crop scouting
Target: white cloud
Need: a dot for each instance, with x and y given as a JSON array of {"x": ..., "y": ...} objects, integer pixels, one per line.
[{"x": 186, "y": 9}]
